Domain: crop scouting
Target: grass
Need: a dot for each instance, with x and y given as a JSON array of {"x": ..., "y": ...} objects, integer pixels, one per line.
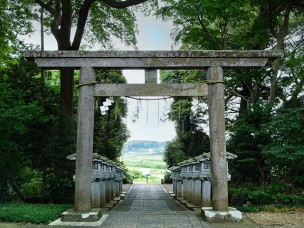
[
  {"x": 145, "y": 161},
  {"x": 31, "y": 213},
  {"x": 151, "y": 180}
]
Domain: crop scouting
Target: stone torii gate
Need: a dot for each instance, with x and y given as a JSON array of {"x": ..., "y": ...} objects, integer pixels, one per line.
[{"x": 213, "y": 61}]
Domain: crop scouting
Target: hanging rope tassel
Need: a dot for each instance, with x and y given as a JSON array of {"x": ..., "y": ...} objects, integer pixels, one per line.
[
  {"x": 147, "y": 111},
  {"x": 179, "y": 111},
  {"x": 157, "y": 112}
]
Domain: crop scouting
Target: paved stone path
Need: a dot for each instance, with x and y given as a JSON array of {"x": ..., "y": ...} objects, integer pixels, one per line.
[{"x": 150, "y": 206}]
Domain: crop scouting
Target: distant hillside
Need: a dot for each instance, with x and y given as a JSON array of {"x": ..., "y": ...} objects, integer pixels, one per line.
[{"x": 144, "y": 146}]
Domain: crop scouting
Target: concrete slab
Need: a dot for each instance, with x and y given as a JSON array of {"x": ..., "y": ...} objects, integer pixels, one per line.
[
  {"x": 233, "y": 215},
  {"x": 74, "y": 216},
  {"x": 108, "y": 205},
  {"x": 192, "y": 206},
  {"x": 60, "y": 223},
  {"x": 122, "y": 195}
]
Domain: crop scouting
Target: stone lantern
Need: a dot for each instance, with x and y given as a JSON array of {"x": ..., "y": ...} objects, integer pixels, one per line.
[{"x": 118, "y": 180}]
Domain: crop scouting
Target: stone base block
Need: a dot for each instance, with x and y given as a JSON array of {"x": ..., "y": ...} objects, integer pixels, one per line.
[
  {"x": 74, "y": 216},
  {"x": 59, "y": 223},
  {"x": 109, "y": 205},
  {"x": 122, "y": 195},
  {"x": 209, "y": 215},
  {"x": 117, "y": 198},
  {"x": 114, "y": 202},
  {"x": 173, "y": 196},
  {"x": 183, "y": 201},
  {"x": 192, "y": 206}
]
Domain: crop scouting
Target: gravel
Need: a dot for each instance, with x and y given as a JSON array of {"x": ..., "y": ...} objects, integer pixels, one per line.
[{"x": 293, "y": 219}]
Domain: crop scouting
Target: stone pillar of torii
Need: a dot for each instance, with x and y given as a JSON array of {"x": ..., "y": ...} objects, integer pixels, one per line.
[{"x": 213, "y": 61}]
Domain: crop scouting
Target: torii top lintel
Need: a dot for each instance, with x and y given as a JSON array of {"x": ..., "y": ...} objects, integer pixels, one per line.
[{"x": 151, "y": 59}]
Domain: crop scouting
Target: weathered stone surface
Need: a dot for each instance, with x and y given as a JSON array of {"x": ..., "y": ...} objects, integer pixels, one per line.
[
  {"x": 102, "y": 193},
  {"x": 179, "y": 189},
  {"x": 151, "y": 59},
  {"x": 74, "y": 216},
  {"x": 117, "y": 188},
  {"x": 206, "y": 193},
  {"x": 231, "y": 215},
  {"x": 191, "y": 89},
  {"x": 153, "y": 54},
  {"x": 197, "y": 193},
  {"x": 150, "y": 63},
  {"x": 150, "y": 76},
  {"x": 216, "y": 108},
  {"x": 108, "y": 191},
  {"x": 95, "y": 195},
  {"x": 85, "y": 129}
]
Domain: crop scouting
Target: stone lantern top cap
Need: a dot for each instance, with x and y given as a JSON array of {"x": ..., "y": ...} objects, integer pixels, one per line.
[
  {"x": 203, "y": 157},
  {"x": 97, "y": 157},
  {"x": 174, "y": 168}
]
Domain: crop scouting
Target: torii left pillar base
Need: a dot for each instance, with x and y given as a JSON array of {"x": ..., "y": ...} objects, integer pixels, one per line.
[
  {"x": 232, "y": 215},
  {"x": 71, "y": 218}
]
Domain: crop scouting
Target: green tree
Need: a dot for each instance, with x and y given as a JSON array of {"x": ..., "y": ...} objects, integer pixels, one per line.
[
  {"x": 15, "y": 119},
  {"x": 191, "y": 140},
  {"x": 247, "y": 25},
  {"x": 110, "y": 132},
  {"x": 38, "y": 146},
  {"x": 174, "y": 153},
  {"x": 248, "y": 140},
  {"x": 15, "y": 20},
  {"x": 93, "y": 20},
  {"x": 285, "y": 153}
]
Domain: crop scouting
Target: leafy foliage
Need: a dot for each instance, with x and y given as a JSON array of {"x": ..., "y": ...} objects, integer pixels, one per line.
[
  {"x": 191, "y": 140},
  {"x": 31, "y": 125},
  {"x": 285, "y": 153},
  {"x": 247, "y": 141},
  {"x": 275, "y": 194},
  {"x": 15, "y": 20},
  {"x": 110, "y": 132},
  {"x": 29, "y": 213}
]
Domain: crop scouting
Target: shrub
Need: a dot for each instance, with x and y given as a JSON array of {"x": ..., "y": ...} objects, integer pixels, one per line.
[
  {"x": 31, "y": 213},
  {"x": 263, "y": 195},
  {"x": 259, "y": 197},
  {"x": 285, "y": 199},
  {"x": 128, "y": 179},
  {"x": 168, "y": 178}
]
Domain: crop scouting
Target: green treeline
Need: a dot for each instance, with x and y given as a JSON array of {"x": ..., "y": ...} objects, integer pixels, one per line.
[
  {"x": 264, "y": 107},
  {"x": 142, "y": 145}
]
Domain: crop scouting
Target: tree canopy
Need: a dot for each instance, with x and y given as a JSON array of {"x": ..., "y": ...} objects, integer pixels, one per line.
[
  {"x": 94, "y": 21},
  {"x": 257, "y": 100}
]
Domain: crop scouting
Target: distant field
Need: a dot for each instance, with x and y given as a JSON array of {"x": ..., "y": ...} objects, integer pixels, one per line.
[
  {"x": 144, "y": 161},
  {"x": 151, "y": 163}
]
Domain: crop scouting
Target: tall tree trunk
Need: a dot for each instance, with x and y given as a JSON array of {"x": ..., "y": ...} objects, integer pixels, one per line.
[
  {"x": 18, "y": 191},
  {"x": 274, "y": 76},
  {"x": 245, "y": 103},
  {"x": 66, "y": 91},
  {"x": 3, "y": 188},
  {"x": 279, "y": 33}
]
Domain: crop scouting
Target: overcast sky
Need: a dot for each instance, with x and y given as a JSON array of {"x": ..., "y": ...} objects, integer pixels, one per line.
[{"x": 152, "y": 35}]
